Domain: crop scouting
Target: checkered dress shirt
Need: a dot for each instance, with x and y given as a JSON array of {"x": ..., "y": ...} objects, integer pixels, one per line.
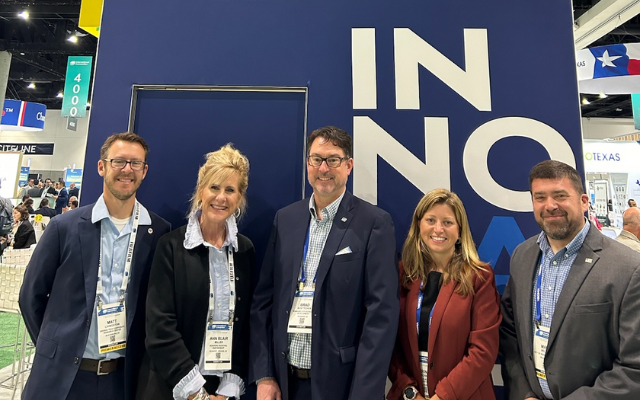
[
  {"x": 300, "y": 343},
  {"x": 555, "y": 269}
]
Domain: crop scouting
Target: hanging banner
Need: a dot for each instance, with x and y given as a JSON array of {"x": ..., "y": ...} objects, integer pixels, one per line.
[
  {"x": 23, "y": 116},
  {"x": 76, "y": 86},
  {"x": 28, "y": 148}
]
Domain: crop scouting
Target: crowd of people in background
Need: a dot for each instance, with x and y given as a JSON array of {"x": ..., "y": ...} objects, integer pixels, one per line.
[{"x": 53, "y": 199}]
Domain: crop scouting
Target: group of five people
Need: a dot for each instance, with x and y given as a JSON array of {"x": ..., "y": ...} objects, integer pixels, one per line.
[{"x": 331, "y": 315}]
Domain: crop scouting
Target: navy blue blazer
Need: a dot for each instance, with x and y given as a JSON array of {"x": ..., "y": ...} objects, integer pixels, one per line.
[
  {"x": 355, "y": 309},
  {"x": 62, "y": 201},
  {"x": 58, "y": 294}
]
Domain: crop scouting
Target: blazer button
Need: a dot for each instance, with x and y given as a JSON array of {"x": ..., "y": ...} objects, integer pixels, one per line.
[
  {"x": 286, "y": 312},
  {"x": 530, "y": 358},
  {"x": 239, "y": 298},
  {"x": 237, "y": 319},
  {"x": 75, "y": 360},
  {"x": 88, "y": 323},
  {"x": 430, "y": 365},
  {"x": 283, "y": 354},
  {"x": 237, "y": 278}
]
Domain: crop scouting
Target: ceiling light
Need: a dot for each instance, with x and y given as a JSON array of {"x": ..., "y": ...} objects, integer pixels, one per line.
[
  {"x": 618, "y": 109},
  {"x": 73, "y": 39},
  {"x": 585, "y": 101},
  {"x": 59, "y": 95},
  {"x": 32, "y": 85},
  {"x": 24, "y": 15},
  {"x": 21, "y": 54},
  {"x": 603, "y": 96}
]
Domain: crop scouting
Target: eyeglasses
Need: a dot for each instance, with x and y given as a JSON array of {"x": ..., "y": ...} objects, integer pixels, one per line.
[
  {"x": 332, "y": 161},
  {"x": 119, "y": 163}
]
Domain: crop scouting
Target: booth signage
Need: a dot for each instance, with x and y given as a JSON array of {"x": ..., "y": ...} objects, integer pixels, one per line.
[
  {"x": 24, "y": 176},
  {"x": 76, "y": 86},
  {"x": 23, "y": 116},
  {"x": 29, "y": 148},
  {"x": 73, "y": 176}
]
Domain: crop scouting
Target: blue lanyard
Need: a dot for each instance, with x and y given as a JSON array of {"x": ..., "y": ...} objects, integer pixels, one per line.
[
  {"x": 303, "y": 275},
  {"x": 538, "y": 293},
  {"x": 419, "y": 310}
]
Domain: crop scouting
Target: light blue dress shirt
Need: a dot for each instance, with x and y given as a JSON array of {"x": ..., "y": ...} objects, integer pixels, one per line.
[
  {"x": 555, "y": 270},
  {"x": 114, "y": 247},
  {"x": 231, "y": 385}
]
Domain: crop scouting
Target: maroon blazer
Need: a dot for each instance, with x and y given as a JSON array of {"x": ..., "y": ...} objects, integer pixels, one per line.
[{"x": 463, "y": 342}]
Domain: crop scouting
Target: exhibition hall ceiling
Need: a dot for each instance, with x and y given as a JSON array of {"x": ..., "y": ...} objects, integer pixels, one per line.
[{"x": 40, "y": 46}]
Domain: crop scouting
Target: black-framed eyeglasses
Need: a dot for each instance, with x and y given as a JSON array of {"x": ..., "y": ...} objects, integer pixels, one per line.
[
  {"x": 332, "y": 161},
  {"x": 120, "y": 163}
]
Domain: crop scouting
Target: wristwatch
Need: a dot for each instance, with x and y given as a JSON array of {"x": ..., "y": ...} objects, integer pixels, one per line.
[{"x": 410, "y": 393}]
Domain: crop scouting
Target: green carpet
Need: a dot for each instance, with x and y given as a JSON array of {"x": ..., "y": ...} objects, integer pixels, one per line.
[{"x": 8, "y": 326}]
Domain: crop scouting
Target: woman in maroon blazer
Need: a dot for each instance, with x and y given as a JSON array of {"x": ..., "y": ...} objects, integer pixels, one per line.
[{"x": 449, "y": 309}]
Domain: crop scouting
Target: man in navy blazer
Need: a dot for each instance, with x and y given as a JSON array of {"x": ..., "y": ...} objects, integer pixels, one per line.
[
  {"x": 75, "y": 357},
  {"x": 340, "y": 251}
]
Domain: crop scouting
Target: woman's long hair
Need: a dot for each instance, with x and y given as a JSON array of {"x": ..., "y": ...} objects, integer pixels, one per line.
[{"x": 464, "y": 264}]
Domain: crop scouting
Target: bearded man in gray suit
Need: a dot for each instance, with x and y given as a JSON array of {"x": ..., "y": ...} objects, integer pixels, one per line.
[{"x": 571, "y": 308}]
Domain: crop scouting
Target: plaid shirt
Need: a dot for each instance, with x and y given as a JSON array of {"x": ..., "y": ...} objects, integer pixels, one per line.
[
  {"x": 300, "y": 343},
  {"x": 555, "y": 269}
]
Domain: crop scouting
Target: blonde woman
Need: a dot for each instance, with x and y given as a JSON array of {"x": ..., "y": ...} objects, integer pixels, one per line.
[
  {"x": 200, "y": 292},
  {"x": 447, "y": 338}
]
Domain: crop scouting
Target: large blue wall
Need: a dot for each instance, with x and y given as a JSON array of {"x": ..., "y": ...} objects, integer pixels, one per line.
[{"x": 309, "y": 44}]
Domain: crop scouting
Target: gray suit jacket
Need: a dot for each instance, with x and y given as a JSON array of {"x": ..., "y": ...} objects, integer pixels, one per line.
[{"x": 594, "y": 342}]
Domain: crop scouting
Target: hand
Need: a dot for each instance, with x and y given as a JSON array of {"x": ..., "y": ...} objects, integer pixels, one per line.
[
  {"x": 268, "y": 389},
  {"x": 434, "y": 397}
]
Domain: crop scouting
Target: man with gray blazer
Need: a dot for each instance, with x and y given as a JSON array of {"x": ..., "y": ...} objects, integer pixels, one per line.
[{"x": 571, "y": 308}]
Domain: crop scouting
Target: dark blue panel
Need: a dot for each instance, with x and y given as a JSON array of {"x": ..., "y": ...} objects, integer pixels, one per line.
[{"x": 182, "y": 126}]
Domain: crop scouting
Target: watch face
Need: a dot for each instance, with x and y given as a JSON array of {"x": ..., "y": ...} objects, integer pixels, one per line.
[{"x": 409, "y": 393}]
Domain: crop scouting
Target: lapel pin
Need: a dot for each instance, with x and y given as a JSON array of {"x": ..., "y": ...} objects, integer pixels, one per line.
[
  {"x": 344, "y": 219},
  {"x": 588, "y": 260},
  {"x": 150, "y": 231}
]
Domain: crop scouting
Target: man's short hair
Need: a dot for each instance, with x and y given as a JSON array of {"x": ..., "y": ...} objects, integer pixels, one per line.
[
  {"x": 336, "y": 136},
  {"x": 74, "y": 203},
  {"x": 61, "y": 182},
  {"x": 44, "y": 202},
  {"x": 125, "y": 137},
  {"x": 552, "y": 169}
]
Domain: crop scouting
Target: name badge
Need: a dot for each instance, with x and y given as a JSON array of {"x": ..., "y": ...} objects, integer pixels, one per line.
[
  {"x": 300, "y": 318},
  {"x": 112, "y": 327},
  {"x": 424, "y": 367},
  {"x": 217, "y": 346},
  {"x": 540, "y": 341}
]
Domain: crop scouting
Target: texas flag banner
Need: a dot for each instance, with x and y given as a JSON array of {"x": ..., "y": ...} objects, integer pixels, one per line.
[{"x": 612, "y": 69}]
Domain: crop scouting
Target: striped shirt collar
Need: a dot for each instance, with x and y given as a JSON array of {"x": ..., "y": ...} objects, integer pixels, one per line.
[
  {"x": 193, "y": 236},
  {"x": 329, "y": 212},
  {"x": 572, "y": 248}
]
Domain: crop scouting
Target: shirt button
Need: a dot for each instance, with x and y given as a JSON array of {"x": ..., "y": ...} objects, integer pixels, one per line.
[
  {"x": 550, "y": 288},
  {"x": 555, "y": 263},
  {"x": 546, "y": 315},
  {"x": 116, "y": 265},
  {"x": 217, "y": 275}
]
